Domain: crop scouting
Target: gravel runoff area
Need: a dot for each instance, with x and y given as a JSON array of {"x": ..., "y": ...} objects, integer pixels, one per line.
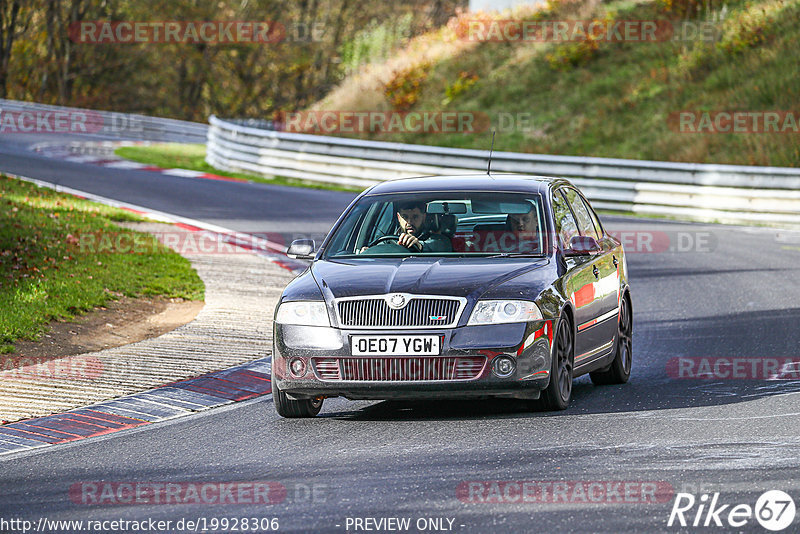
[{"x": 234, "y": 327}]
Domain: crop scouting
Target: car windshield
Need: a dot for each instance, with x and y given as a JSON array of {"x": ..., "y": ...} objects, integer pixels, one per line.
[{"x": 443, "y": 224}]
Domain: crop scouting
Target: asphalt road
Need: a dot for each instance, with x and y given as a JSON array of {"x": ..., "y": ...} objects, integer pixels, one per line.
[
  {"x": 243, "y": 207},
  {"x": 720, "y": 292}
]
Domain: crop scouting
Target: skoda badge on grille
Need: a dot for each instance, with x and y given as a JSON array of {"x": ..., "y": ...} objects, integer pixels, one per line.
[{"x": 396, "y": 301}]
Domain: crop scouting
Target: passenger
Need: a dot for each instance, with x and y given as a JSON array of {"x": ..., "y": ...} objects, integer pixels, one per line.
[
  {"x": 523, "y": 222},
  {"x": 526, "y": 230}
]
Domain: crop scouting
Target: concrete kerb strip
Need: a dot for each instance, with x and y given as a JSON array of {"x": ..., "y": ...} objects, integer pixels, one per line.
[
  {"x": 157, "y": 379},
  {"x": 175, "y": 400}
]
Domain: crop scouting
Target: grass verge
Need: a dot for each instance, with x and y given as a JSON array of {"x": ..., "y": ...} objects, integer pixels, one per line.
[
  {"x": 192, "y": 157},
  {"x": 48, "y": 273}
]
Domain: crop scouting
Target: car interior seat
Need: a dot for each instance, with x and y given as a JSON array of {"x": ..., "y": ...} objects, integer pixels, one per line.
[
  {"x": 490, "y": 227},
  {"x": 447, "y": 225}
]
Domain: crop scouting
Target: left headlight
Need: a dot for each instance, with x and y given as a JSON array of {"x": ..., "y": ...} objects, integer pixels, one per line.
[
  {"x": 504, "y": 311},
  {"x": 303, "y": 314}
]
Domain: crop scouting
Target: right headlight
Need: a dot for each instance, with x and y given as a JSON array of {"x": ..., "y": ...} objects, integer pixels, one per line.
[
  {"x": 504, "y": 311},
  {"x": 303, "y": 314}
]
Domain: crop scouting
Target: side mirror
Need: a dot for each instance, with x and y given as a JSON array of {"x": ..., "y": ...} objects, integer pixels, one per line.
[
  {"x": 581, "y": 245},
  {"x": 301, "y": 249}
]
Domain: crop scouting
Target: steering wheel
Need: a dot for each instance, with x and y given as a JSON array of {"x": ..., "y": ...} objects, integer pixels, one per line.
[{"x": 384, "y": 239}]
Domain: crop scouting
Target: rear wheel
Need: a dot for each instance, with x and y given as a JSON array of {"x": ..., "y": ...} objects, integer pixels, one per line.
[
  {"x": 287, "y": 407},
  {"x": 620, "y": 370},
  {"x": 559, "y": 390}
]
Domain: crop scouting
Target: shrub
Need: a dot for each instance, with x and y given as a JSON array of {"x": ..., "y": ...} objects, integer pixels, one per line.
[
  {"x": 404, "y": 88},
  {"x": 683, "y": 8},
  {"x": 464, "y": 81},
  {"x": 569, "y": 55}
]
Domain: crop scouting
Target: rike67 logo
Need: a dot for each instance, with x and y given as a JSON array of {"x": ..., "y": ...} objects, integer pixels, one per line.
[{"x": 774, "y": 510}]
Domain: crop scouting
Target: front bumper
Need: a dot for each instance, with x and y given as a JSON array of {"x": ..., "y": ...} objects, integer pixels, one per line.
[{"x": 527, "y": 344}]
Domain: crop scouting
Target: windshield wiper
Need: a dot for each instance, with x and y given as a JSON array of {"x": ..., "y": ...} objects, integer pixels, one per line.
[{"x": 517, "y": 255}]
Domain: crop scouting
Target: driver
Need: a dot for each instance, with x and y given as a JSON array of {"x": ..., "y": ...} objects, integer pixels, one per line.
[{"x": 414, "y": 231}]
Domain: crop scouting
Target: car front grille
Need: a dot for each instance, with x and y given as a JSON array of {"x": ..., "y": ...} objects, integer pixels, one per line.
[
  {"x": 400, "y": 369},
  {"x": 374, "y": 312}
]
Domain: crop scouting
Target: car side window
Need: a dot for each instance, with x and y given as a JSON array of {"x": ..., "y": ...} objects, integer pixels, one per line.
[
  {"x": 595, "y": 218},
  {"x": 581, "y": 213},
  {"x": 566, "y": 228},
  {"x": 383, "y": 222}
]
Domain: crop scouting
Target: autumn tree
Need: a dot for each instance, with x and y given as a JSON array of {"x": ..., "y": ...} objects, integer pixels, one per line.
[
  {"x": 13, "y": 20},
  {"x": 41, "y": 59}
]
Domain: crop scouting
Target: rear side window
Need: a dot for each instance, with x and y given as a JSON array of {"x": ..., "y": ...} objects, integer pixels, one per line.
[
  {"x": 566, "y": 227},
  {"x": 594, "y": 217},
  {"x": 582, "y": 214}
]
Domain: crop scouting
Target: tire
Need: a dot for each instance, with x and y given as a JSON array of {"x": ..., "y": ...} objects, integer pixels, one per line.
[
  {"x": 291, "y": 408},
  {"x": 620, "y": 369},
  {"x": 559, "y": 391}
]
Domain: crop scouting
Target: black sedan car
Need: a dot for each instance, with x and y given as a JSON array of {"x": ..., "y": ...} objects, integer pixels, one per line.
[{"x": 455, "y": 287}]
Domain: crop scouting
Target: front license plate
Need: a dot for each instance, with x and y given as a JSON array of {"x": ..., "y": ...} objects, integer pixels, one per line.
[{"x": 395, "y": 345}]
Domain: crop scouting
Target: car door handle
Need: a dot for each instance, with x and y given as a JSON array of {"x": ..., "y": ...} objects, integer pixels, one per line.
[
  {"x": 595, "y": 271},
  {"x": 616, "y": 261}
]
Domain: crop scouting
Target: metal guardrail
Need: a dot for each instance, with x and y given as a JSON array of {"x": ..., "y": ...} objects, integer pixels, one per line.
[
  {"x": 723, "y": 193},
  {"x": 17, "y": 117}
]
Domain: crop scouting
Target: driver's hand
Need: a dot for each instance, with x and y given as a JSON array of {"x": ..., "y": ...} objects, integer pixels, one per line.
[{"x": 409, "y": 241}]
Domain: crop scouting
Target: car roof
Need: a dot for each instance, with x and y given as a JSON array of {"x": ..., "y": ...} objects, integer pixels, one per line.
[{"x": 468, "y": 182}]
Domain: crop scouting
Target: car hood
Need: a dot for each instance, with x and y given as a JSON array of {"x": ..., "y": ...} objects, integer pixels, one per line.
[{"x": 461, "y": 277}]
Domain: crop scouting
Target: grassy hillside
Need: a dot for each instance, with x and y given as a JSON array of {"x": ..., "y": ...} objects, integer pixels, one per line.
[{"x": 611, "y": 99}]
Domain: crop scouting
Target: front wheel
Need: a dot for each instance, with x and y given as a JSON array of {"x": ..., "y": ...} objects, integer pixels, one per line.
[
  {"x": 559, "y": 390},
  {"x": 287, "y": 407},
  {"x": 620, "y": 370}
]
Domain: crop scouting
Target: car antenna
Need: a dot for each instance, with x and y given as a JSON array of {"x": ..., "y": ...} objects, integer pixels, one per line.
[{"x": 491, "y": 150}]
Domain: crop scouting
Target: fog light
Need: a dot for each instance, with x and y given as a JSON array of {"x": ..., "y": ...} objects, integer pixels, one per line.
[
  {"x": 298, "y": 367},
  {"x": 504, "y": 366}
]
